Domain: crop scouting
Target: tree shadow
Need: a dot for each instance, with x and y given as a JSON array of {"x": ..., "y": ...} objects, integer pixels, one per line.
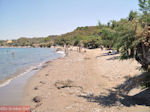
[
  {"x": 119, "y": 95},
  {"x": 114, "y": 58}
]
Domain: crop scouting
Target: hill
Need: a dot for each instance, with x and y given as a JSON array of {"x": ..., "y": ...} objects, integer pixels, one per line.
[{"x": 76, "y": 37}]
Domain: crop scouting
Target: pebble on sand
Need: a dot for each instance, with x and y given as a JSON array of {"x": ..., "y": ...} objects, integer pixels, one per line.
[{"x": 37, "y": 99}]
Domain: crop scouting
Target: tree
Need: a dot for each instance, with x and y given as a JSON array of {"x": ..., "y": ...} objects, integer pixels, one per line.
[
  {"x": 99, "y": 24},
  {"x": 108, "y": 24},
  {"x": 113, "y": 24},
  {"x": 144, "y": 6},
  {"x": 132, "y": 15},
  {"x": 143, "y": 47},
  {"x": 120, "y": 37},
  {"x": 108, "y": 37}
]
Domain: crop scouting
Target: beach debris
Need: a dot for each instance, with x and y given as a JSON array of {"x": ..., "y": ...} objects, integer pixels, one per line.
[
  {"x": 66, "y": 84},
  {"x": 37, "y": 99},
  {"x": 46, "y": 74},
  {"x": 87, "y": 58},
  {"x": 42, "y": 82},
  {"x": 36, "y": 88}
]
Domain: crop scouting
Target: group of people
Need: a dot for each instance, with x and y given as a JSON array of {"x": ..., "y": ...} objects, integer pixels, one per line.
[{"x": 68, "y": 48}]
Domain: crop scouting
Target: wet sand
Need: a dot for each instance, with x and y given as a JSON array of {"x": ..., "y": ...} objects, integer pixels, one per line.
[
  {"x": 84, "y": 82},
  {"x": 12, "y": 93}
]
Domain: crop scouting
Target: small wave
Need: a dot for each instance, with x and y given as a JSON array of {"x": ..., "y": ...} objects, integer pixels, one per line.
[
  {"x": 62, "y": 53},
  {"x": 7, "y": 81}
]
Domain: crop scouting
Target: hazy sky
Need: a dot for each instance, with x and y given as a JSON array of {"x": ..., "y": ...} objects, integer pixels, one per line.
[{"x": 37, "y": 18}]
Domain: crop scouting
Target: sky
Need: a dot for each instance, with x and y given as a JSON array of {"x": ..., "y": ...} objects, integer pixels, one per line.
[{"x": 40, "y": 18}]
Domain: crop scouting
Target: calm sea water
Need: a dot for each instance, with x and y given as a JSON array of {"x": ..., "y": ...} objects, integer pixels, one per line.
[{"x": 15, "y": 59}]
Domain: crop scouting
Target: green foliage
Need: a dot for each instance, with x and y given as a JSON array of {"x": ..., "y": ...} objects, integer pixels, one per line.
[
  {"x": 132, "y": 15},
  {"x": 99, "y": 24},
  {"x": 146, "y": 81},
  {"x": 145, "y": 18},
  {"x": 81, "y": 35},
  {"x": 144, "y": 6},
  {"x": 108, "y": 37},
  {"x": 113, "y": 24},
  {"x": 127, "y": 34},
  {"x": 91, "y": 42},
  {"x": 121, "y": 36}
]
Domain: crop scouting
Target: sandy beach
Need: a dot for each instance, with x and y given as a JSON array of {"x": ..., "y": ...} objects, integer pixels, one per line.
[{"x": 85, "y": 82}]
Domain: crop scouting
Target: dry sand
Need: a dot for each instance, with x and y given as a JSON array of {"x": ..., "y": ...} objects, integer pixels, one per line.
[{"x": 84, "y": 82}]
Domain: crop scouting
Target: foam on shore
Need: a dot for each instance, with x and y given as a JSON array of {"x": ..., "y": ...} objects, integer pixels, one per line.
[
  {"x": 62, "y": 53},
  {"x": 28, "y": 70}
]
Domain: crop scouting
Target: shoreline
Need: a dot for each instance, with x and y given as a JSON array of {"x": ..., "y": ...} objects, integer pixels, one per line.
[
  {"x": 68, "y": 84},
  {"x": 29, "y": 82},
  {"x": 20, "y": 77},
  {"x": 19, "y": 73},
  {"x": 26, "y": 69}
]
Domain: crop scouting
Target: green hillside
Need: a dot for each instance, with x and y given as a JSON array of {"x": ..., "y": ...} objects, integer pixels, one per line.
[{"x": 77, "y": 37}]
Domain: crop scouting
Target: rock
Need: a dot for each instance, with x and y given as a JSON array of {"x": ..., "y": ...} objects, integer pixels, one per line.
[
  {"x": 36, "y": 88},
  {"x": 46, "y": 75},
  {"x": 37, "y": 99},
  {"x": 42, "y": 82}
]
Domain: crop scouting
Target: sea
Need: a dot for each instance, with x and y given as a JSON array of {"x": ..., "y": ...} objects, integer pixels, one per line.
[{"x": 15, "y": 62}]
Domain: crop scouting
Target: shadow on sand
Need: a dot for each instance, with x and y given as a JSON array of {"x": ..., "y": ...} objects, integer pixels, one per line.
[
  {"x": 114, "y": 58},
  {"x": 119, "y": 95}
]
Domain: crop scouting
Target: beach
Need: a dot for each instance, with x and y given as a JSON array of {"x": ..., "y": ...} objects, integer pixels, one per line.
[{"x": 83, "y": 82}]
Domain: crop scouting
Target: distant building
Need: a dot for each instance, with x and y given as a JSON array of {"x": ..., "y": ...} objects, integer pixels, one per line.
[{"x": 9, "y": 41}]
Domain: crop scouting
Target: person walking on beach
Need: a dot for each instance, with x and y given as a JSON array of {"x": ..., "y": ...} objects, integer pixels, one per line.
[{"x": 66, "y": 49}]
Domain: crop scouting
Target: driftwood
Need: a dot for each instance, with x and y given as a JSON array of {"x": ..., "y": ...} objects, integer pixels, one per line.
[{"x": 66, "y": 84}]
